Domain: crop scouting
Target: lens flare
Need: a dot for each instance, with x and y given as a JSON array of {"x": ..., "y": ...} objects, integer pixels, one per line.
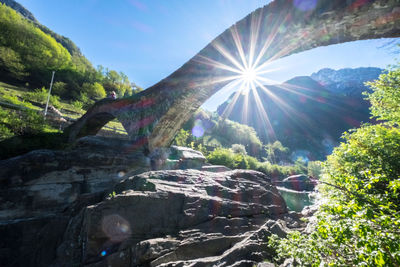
[
  {"x": 245, "y": 57},
  {"x": 249, "y": 75}
]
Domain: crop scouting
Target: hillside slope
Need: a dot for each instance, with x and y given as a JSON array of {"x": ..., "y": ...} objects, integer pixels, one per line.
[
  {"x": 30, "y": 52},
  {"x": 303, "y": 113}
]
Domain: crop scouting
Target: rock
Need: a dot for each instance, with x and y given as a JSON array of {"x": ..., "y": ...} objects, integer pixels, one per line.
[
  {"x": 96, "y": 204},
  {"x": 177, "y": 218},
  {"x": 346, "y": 81},
  {"x": 176, "y": 157},
  {"x": 299, "y": 182},
  {"x": 215, "y": 168},
  {"x": 42, "y": 190},
  {"x": 47, "y": 181}
]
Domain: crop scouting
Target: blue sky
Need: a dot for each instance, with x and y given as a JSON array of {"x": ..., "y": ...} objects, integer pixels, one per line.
[{"x": 149, "y": 39}]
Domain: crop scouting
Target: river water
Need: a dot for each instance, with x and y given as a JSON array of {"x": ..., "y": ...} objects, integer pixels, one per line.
[{"x": 295, "y": 200}]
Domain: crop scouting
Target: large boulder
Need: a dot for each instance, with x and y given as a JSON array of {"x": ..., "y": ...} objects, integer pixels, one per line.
[
  {"x": 47, "y": 181},
  {"x": 177, "y": 218},
  {"x": 299, "y": 182},
  {"x": 97, "y": 204},
  {"x": 41, "y": 190},
  {"x": 176, "y": 157}
]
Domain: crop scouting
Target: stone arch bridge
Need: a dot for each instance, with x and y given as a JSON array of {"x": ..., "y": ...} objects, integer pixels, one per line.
[{"x": 279, "y": 29}]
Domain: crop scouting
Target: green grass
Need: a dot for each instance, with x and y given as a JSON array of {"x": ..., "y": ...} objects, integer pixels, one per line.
[
  {"x": 17, "y": 94},
  {"x": 117, "y": 125}
]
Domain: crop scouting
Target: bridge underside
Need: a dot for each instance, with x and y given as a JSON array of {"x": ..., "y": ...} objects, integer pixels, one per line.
[{"x": 154, "y": 116}]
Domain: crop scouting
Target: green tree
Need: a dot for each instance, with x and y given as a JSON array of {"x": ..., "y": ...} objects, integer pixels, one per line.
[
  {"x": 385, "y": 98},
  {"x": 223, "y": 156},
  {"x": 276, "y": 152},
  {"x": 60, "y": 89},
  {"x": 229, "y": 132},
  {"x": 182, "y": 138},
  {"x": 359, "y": 220},
  {"x": 314, "y": 169},
  {"x": 94, "y": 91},
  {"x": 118, "y": 82},
  {"x": 10, "y": 62},
  {"x": 239, "y": 149},
  {"x": 40, "y": 52}
]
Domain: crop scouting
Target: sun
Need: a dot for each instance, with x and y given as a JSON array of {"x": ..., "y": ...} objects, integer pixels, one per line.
[{"x": 249, "y": 75}]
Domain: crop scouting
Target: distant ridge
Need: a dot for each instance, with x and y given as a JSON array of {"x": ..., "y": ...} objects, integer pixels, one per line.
[
  {"x": 72, "y": 48},
  {"x": 346, "y": 81},
  {"x": 20, "y": 9}
]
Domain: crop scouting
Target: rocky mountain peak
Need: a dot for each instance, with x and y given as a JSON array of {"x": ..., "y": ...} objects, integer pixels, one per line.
[{"x": 346, "y": 81}]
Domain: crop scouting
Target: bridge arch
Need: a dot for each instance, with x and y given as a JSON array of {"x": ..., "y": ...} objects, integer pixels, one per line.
[{"x": 280, "y": 29}]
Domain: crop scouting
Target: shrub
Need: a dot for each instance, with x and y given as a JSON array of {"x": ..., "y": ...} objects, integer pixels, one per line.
[
  {"x": 59, "y": 89},
  {"x": 20, "y": 122},
  {"x": 5, "y": 132},
  {"x": 94, "y": 91},
  {"x": 253, "y": 162},
  {"x": 222, "y": 156},
  {"x": 14, "y": 100},
  {"x": 239, "y": 149},
  {"x": 86, "y": 101},
  {"x": 77, "y": 104},
  {"x": 40, "y": 96},
  {"x": 181, "y": 138},
  {"x": 314, "y": 168}
]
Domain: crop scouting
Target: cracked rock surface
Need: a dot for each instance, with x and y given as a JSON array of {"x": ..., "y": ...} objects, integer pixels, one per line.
[
  {"x": 178, "y": 218},
  {"x": 98, "y": 204}
]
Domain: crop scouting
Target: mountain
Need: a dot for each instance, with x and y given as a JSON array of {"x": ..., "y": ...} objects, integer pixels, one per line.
[
  {"x": 349, "y": 82},
  {"x": 20, "y": 9},
  {"x": 307, "y": 114},
  {"x": 72, "y": 48},
  {"x": 30, "y": 52}
]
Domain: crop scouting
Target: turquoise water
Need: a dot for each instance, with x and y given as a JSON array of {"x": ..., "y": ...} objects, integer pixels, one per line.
[{"x": 296, "y": 201}]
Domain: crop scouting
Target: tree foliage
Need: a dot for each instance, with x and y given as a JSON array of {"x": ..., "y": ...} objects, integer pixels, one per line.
[
  {"x": 358, "y": 221},
  {"x": 239, "y": 149},
  {"x": 385, "y": 98},
  {"x": 236, "y": 133},
  {"x": 226, "y": 157},
  {"x": 29, "y": 52},
  {"x": 39, "y": 51},
  {"x": 94, "y": 91},
  {"x": 20, "y": 123},
  {"x": 276, "y": 152}
]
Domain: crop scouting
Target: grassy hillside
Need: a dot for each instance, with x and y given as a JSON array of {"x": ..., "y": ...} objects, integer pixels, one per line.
[
  {"x": 29, "y": 52},
  {"x": 19, "y": 98}
]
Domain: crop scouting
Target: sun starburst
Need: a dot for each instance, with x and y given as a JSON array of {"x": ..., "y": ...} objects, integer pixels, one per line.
[{"x": 246, "y": 61}]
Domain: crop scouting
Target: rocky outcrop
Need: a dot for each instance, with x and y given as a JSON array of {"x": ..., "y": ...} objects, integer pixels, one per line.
[
  {"x": 40, "y": 191},
  {"x": 97, "y": 204},
  {"x": 178, "y": 218},
  {"x": 47, "y": 181},
  {"x": 50, "y": 181},
  {"x": 299, "y": 182},
  {"x": 177, "y": 157},
  {"x": 349, "y": 82}
]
